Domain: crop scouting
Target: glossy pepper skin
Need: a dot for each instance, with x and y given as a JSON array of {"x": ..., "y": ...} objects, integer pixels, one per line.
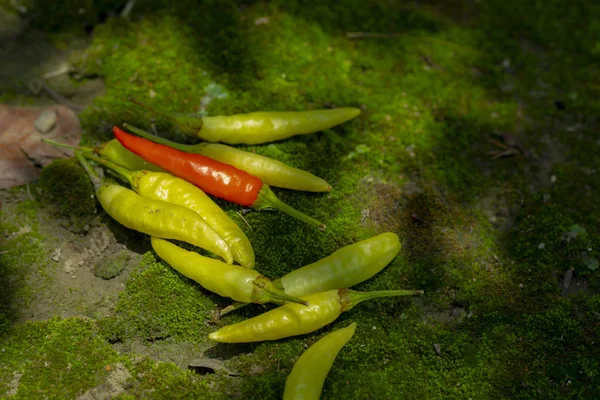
[
  {"x": 259, "y": 127},
  {"x": 155, "y": 217},
  {"x": 173, "y": 190},
  {"x": 272, "y": 172},
  {"x": 215, "y": 178},
  {"x": 294, "y": 319},
  {"x": 344, "y": 268},
  {"x": 238, "y": 283},
  {"x": 305, "y": 382}
]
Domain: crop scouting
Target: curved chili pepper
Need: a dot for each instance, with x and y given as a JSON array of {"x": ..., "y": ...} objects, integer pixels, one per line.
[
  {"x": 155, "y": 217},
  {"x": 258, "y": 127},
  {"x": 293, "y": 319},
  {"x": 272, "y": 172},
  {"x": 214, "y": 177},
  {"x": 116, "y": 153},
  {"x": 344, "y": 268},
  {"x": 173, "y": 190},
  {"x": 305, "y": 382},
  {"x": 238, "y": 283}
]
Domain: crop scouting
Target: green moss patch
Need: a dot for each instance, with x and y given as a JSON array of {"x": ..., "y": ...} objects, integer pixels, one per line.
[{"x": 65, "y": 186}]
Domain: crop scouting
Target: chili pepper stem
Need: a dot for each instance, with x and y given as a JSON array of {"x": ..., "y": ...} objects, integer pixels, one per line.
[
  {"x": 350, "y": 298},
  {"x": 265, "y": 291},
  {"x": 65, "y": 145},
  {"x": 90, "y": 171},
  {"x": 189, "y": 148},
  {"x": 193, "y": 124},
  {"x": 232, "y": 307},
  {"x": 125, "y": 174},
  {"x": 266, "y": 199}
]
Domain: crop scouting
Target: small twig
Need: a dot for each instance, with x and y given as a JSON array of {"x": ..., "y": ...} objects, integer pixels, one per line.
[
  {"x": 127, "y": 9},
  {"x": 29, "y": 193},
  {"x": 56, "y": 96},
  {"x": 65, "y": 68},
  {"x": 244, "y": 219},
  {"x": 4, "y": 252}
]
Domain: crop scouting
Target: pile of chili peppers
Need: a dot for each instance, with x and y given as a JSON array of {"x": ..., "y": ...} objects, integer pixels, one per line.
[{"x": 169, "y": 199}]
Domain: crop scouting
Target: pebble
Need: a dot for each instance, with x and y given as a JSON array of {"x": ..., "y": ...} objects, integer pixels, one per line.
[
  {"x": 46, "y": 121},
  {"x": 567, "y": 278}
]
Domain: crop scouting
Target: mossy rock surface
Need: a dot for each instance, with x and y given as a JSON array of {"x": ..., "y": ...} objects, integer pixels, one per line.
[
  {"x": 65, "y": 186},
  {"x": 477, "y": 145}
]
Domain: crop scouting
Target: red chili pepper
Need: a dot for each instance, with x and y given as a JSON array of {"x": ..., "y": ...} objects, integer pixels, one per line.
[{"x": 214, "y": 177}]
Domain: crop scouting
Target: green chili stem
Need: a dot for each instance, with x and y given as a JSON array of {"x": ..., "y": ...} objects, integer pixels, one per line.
[
  {"x": 282, "y": 297},
  {"x": 267, "y": 199},
  {"x": 90, "y": 171},
  {"x": 264, "y": 291},
  {"x": 232, "y": 307},
  {"x": 66, "y": 146},
  {"x": 125, "y": 174},
  {"x": 188, "y": 148},
  {"x": 197, "y": 121},
  {"x": 350, "y": 298}
]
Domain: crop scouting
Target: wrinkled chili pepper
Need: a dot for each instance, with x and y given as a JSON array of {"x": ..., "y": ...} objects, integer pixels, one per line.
[
  {"x": 166, "y": 187},
  {"x": 305, "y": 382},
  {"x": 232, "y": 281},
  {"x": 155, "y": 217},
  {"x": 344, "y": 268},
  {"x": 214, "y": 177},
  {"x": 272, "y": 172},
  {"x": 294, "y": 319},
  {"x": 258, "y": 127}
]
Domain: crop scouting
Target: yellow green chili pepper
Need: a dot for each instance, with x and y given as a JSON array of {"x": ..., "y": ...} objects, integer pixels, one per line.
[
  {"x": 238, "y": 283},
  {"x": 166, "y": 187},
  {"x": 344, "y": 268},
  {"x": 114, "y": 151},
  {"x": 272, "y": 172},
  {"x": 305, "y": 382},
  {"x": 293, "y": 319},
  {"x": 155, "y": 217},
  {"x": 258, "y": 127}
]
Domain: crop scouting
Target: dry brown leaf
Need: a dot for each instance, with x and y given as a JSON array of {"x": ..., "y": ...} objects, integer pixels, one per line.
[{"x": 21, "y": 148}]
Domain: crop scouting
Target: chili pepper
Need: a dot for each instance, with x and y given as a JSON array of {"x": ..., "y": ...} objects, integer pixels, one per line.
[
  {"x": 293, "y": 319},
  {"x": 271, "y": 172},
  {"x": 214, "y": 177},
  {"x": 258, "y": 127},
  {"x": 305, "y": 382},
  {"x": 166, "y": 187},
  {"x": 155, "y": 217},
  {"x": 344, "y": 268},
  {"x": 232, "y": 281},
  {"x": 115, "y": 152}
]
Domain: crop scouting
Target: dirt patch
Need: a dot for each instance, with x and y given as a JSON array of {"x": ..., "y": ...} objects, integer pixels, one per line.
[
  {"x": 180, "y": 353},
  {"x": 380, "y": 202},
  {"x": 74, "y": 289},
  {"x": 116, "y": 383}
]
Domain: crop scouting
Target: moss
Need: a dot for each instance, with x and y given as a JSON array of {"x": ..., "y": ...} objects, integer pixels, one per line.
[
  {"x": 67, "y": 353},
  {"x": 65, "y": 186},
  {"x": 416, "y": 162},
  {"x": 158, "y": 303},
  {"x": 112, "y": 266},
  {"x": 23, "y": 257},
  {"x": 167, "y": 381}
]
